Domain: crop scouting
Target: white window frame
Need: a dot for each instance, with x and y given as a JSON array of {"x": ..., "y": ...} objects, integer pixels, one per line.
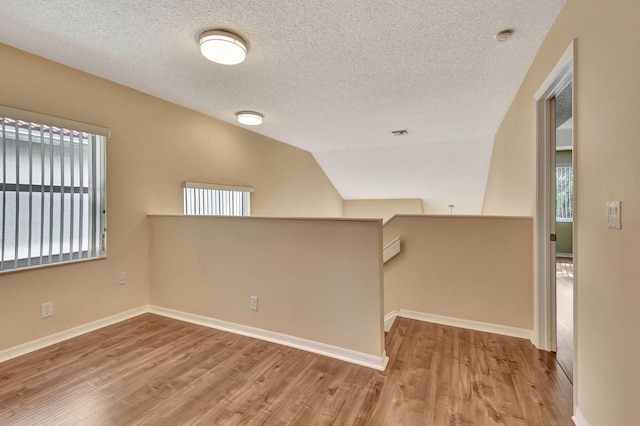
[
  {"x": 210, "y": 199},
  {"x": 35, "y": 139}
]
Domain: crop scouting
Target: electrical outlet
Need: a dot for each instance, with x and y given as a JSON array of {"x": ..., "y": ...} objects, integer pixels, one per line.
[
  {"x": 47, "y": 309},
  {"x": 613, "y": 214},
  {"x": 122, "y": 278},
  {"x": 254, "y": 303}
]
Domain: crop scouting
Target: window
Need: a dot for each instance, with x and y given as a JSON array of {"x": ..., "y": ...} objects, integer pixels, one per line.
[
  {"x": 213, "y": 199},
  {"x": 52, "y": 204},
  {"x": 564, "y": 194}
]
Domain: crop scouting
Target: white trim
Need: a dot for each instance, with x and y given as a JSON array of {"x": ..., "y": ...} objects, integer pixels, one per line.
[
  {"x": 569, "y": 255},
  {"x": 556, "y": 77},
  {"x": 504, "y": 330},
  {"x": 544, "y": 221},
  {"x": 544, "y": 316},
  {"x": 579, "y": 419},
  {"x": 43, "y": 342},
  {"x": 218, "y": 186},
  {"x": 36, "y": 117},
  {"x": 354, "y": 357},
  {"x": 389, "y": 319},
  {"x": 391, "y": 249}
]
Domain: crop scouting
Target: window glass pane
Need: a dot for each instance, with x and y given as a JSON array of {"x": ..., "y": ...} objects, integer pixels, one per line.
[
  {"x": 219, "y": 202},
  {"x": 564, "y": 194},
  {"x": 52, "y": 206}
]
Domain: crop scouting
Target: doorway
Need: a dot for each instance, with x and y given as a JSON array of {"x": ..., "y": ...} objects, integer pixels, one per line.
[
  {"x": 563, "y": 175},
  {"x": 550, "y": 303}
]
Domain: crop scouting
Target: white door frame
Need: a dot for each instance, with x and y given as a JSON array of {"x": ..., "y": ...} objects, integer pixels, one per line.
[{"x": 544, "y": 332}]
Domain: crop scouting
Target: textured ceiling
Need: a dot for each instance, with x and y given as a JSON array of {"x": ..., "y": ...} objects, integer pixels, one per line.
[{"x": 332, "y": 77}]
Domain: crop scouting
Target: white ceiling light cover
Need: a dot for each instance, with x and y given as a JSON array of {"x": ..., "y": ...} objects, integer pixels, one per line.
[
  {"x": 250, "y": 118},
  {"x": 223, "y": 47}
]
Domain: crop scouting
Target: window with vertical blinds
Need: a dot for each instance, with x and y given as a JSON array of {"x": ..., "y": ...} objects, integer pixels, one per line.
[
  {"x": 213, "y": 199},
  {"x": 52, "y": 200},
  {"x": 564, "y": 194}
]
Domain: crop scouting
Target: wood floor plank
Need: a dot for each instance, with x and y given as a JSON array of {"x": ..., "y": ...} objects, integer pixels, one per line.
[{"x": 151, "y": 370}]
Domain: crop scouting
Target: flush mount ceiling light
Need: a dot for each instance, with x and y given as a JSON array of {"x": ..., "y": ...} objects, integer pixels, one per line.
[
  {"x": 250, "y": 118},
  {"x": 223, "y": 47},
  {"x": 503, "y": 35}
]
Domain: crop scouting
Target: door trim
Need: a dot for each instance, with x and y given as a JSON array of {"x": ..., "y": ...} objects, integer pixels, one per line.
[
  {"x": 544, "y": 332},
  {"x": 544, "y": 218}
]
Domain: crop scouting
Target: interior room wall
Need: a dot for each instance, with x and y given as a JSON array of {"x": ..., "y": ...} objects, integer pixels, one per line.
[
  {"x": 154, "y": 147},
  {"x": 319, "y": 280},
  {"x": 383, "y": 209},
  {"x": 472, "y": 268},
  {"x": 564, "y": 242},
  {"x": 607, "y": 130},
  {"x": 564, "y": 230}
]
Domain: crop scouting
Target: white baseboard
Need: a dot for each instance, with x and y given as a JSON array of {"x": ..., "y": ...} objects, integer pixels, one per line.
[
  {"x": 462, "y": 323},
  {"x": 579, "y": 419},
  {"x": 354, "y": 357},
  {"x": 389, "y": 320},
  {"x": 43, "y": 342}
]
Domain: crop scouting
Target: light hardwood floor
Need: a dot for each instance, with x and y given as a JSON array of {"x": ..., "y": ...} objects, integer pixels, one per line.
[
  {"x": 151, "y": 370},
  {"x": 564, "y": 309}
]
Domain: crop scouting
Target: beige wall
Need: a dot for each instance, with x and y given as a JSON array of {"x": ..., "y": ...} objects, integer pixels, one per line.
[
  {"x": 384, "y": 209},
  {"x": 329, "y": 291},
  {"x": 473, "y": 268},
  {"x": 154, "y": 147},
  {"x": 607, "y": 168}
]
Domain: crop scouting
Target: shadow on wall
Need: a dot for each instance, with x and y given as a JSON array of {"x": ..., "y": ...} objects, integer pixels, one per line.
[{"x": 476, "y": 269}]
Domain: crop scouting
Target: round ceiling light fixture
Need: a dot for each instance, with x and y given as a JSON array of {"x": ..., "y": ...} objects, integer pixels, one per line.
[
  {"x": 503, "y": 35},
  {"x": 223, "y": 47},
  {"x": 249, "y": 118}
]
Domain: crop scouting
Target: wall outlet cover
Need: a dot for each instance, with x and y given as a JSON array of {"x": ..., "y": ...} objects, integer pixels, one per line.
[
  {"x": 47, "y": 309},
  {"x": 614, "y": 214}
]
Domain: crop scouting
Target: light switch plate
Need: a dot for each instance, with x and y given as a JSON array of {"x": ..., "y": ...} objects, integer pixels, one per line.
[{"x": 614, "y": 214}]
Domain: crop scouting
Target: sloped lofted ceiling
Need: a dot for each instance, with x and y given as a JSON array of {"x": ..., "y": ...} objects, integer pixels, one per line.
[{"x": 331, "y": 77}]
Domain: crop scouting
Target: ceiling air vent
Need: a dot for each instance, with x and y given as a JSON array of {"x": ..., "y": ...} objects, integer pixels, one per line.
[{"x": 399, "y": 132}]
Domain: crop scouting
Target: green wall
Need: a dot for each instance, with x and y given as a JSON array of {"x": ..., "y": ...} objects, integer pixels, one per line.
[
  {"x": 564, "y": 230},
  {"x": 564, "y": 243},
  {"x": 564, "y": 157}
]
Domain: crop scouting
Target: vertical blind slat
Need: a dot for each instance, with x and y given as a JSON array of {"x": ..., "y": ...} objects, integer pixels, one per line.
[
  {"x": 30, "y": 231},
  {"x": 17, "y": 221},
  {"x": 62, "y": 186},
  {"x": 4, "y": 192},
  {"x": 72, "y": 195},
  {"x": 81, "y": 197},
  {"x": 51, "y": 210},
  {"x": 93, "y": 199},
  {"x": 41, "y": 196}
]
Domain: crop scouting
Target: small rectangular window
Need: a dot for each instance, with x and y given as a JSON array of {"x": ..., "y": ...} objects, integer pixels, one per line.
[
  {"x": 564, "y": 194},
  {"x": 52, "y": 199},
  {"x": 216, "y": 200}
]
